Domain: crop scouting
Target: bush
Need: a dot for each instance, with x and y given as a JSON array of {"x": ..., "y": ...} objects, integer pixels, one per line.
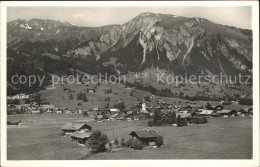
[
  {"x": 246, "y": 101},
  {"x": 97, "y": 141},
  {"x": 70, "y": 96},
  {"x": 116, "y": 142},
  {"x": 85, "y": 113},
  {"x": 82, "y": 96},
  {"x": 202, "y": 120},
  {"x": 122, "y": 142},
  {"x": 158, "y": 123},
  {"x": 128, "y": 143},
  {"x": 159, "y": 141},
  {"x": 137, "y": 144},
  {"x": 150, "y": 123}
]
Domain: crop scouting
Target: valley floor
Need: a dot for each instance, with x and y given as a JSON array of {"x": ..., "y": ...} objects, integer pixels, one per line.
[{"x": 221, "y": 138}]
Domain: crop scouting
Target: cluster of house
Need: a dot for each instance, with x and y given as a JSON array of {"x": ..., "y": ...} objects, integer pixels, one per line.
[
  {"x": 31, "y": 108},
  {"x": 80, "y": 133},
  {"x": 142, "y": 111},
  {"x": 34, "y": 108},
  {"x": 65, "y": 110},
  {"x": 219, "y": 111},
  {"x": 20, "y": 96}
]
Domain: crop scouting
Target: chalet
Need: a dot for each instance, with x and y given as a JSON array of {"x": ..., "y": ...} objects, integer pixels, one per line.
[
  {"x": 13, "y": 122},
  {"x": 50, "y": 110},
  {"x": 114, "y": 110},
  {"x": 157, "y": 106},
  {"x": 20, "y": 96},
  {"x": 194, "y": 107},
  {"x": 214, "y": 114},
  {"x": 120, "y": 117},
  {"x": 206, "y": 113},
  {"x": 78, "y": 110},
  {"x": 140, "y": 117},
  {"x": 80, "y": 137},
  {"x": 59, "y": 111},
  {"x": 70, "y": 128},
  {"x": 129, "y": 117},
  {"x": 250, "y": 111},
  {"x": 91, "y": 90},
  {"x": 35, "y": 110},
  {"x": 101, "y": 117},
  {"x": 47, "y": 107},
  {"x": 96, "y": 109},
  {"x": 218, "y": 108},
  {"x": 183, "y": 114},
  {"x": 227, "y": 113},
  {"x": 243, "y": 112},
  {"x": 67, "y": 110},
  {"x": 147, "y": 137},
  {"x": 114, "y": 115}
]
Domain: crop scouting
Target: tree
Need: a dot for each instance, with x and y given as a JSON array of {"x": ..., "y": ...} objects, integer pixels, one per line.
[
  {"x": 107, "y": 105},
  {"x": 120, "y": 105},
  {"x": 97, "y": 141},
  {"x": 122, "y": 142},
  {"x": 181, "y": 94},
  {"x": 84, "y": 98},
  {"x": 116, "y": 142},
  {"x": 159, "y": 141},
  {"x": 70, "y": 96},
  {"x": 137, "y": 144}
]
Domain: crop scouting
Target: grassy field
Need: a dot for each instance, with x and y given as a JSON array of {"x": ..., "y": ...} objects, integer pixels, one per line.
[{"x": 37, "y": 138}]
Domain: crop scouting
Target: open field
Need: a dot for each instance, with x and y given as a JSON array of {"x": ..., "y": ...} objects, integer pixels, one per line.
[{"x": 221, "y": 138}]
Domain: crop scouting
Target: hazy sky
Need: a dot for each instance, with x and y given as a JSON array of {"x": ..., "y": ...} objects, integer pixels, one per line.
[{"x": 99, "y": 16}]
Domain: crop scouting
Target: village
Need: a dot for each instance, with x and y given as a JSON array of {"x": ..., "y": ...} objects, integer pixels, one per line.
[{"x": 152, "y": 109}]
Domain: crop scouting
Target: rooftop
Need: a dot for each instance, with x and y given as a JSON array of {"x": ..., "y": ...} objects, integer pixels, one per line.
[
  {"x": 80, "y": 135},
  {"x": 74, "y": 126},
  {"x": 145, "y": 133}
]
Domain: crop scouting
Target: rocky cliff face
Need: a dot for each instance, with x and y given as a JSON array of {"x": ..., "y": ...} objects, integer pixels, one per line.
[{"x": 175, "y": 43}]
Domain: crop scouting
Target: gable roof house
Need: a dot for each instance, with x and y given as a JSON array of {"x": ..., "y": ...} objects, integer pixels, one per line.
[
  {"x": 70, "y": 128},
  {"x": 147, "y": 137},
  {"x": 80, "y": 137},
  {"x": 227, "y": 113},
  {"x": 194, "y": 107},
  {"x": 218, "y": 108},
  {"x": 206, "y": 113},
  {"x": 183, "y": 114},
  {"x": 250, "y": 111}
]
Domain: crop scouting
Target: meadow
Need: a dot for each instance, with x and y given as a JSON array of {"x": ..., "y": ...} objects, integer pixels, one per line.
[{"x": 37, "y": 138}]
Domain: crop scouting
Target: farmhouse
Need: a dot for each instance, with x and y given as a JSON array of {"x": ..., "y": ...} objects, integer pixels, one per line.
[
  {"x": 59, "y": 111},
  {"x": 114, "y": 110},
  {"x": 218, "y": 108},
  {"x": 140, "y": 117},
  {"x": 70, "y": 128},
  {"x": 147, "y": 137},
  {"x": 194, "y": 107},
  {"x": 227, "y": 113},
  {"x": 250, "y": 111},
  {"x": 80, "y": 137},
  {"x": 13, "y": 122},
  {"x": 183, "y": 114},
  {"x": 206, "y": 113}
]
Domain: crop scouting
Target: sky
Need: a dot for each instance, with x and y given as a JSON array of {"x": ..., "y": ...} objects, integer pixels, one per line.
[{"x": 239, "y": 16}]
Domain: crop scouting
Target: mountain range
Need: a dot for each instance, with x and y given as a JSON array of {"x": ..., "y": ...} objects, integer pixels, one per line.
[{"x": 163, "y": 41}]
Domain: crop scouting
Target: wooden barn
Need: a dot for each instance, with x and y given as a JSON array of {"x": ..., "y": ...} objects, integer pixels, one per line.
[
  {"x": 70, "y": 128},
  {"x": 80, "y": 137},
  {"x": 147, "y": 137}
]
